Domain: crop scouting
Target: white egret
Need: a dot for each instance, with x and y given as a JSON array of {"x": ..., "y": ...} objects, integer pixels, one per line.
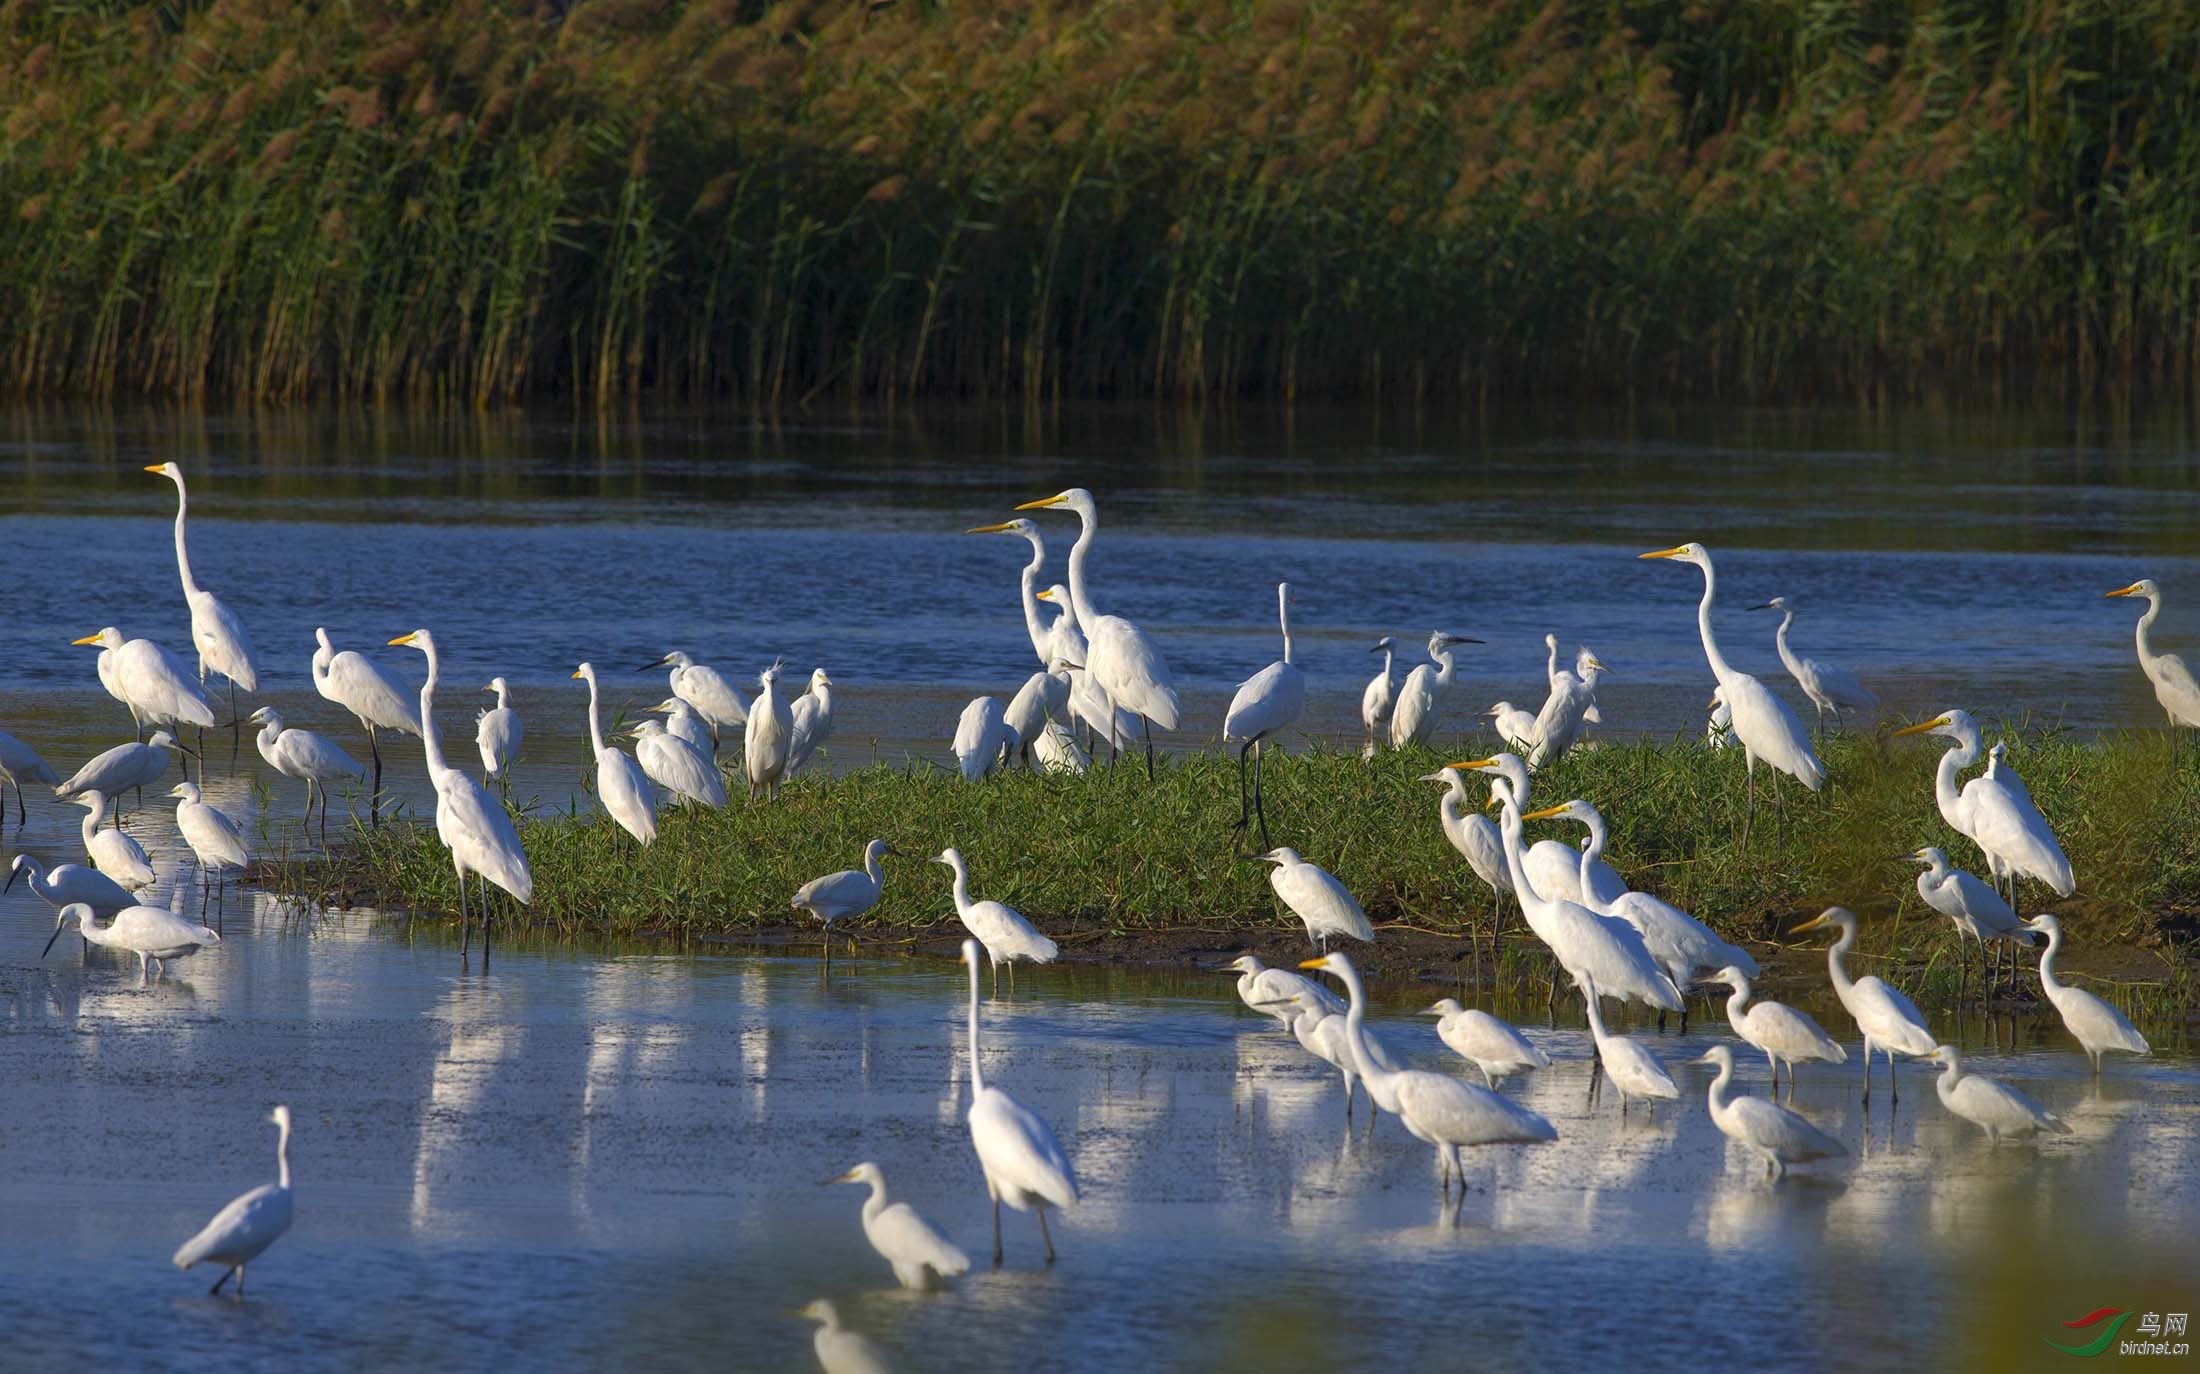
[
  {"x": 1632, "y": 1068},
  {"x": 2173, "y": 683},
  {"x": 1377, "y": 697},
  {"x": 497, "y": 733},
  {"x": 240, "y": 1232},
  {"x": 1994, "y": 815},
  {"x": 681, "y": 720},
  {"x": 677, "y": 766},
  {"x": 117, "y": 770},
  {"x": 850, "y": 892},
  {"x": 1435, "y": 1108},
  {"x": 1977, "y": 911},
  {"x": 1270, "y": 990},
  {"x": 1267, "y": 702},
  {"x": 621, "y": 786},
  {"x": 1326, "y": 1035},
  {"x": 1023, "y": 1165},
  {"x": 1418, "y": 710},
  {"x": 313, "y": 759},
  {"x": 984, "y": 740},
  {"x": 1088, "y": 703},
  {"x": 1002, "y": 929},
  {"x": 1476, "y": 838},
  {"x": 1484, "y": 1041},
  {"x": 1763, "y": 723},
  {"x": 1515, "y": 726},
  {"x": 1889, "y": 1021},
  {"x": 709, "y": 691},
  {"x": 1057, "y": 750},
  {"x": 839, "y": 1350},
  {"x": 1573, "y": 696},
  {"x": 153, "y": 934},
  {"x": 767, "y": 735},
  {"x": 1829, "y": 687},
  {"x": 1583, "y": 942},
  {"x": 1718, "y": 731},
  {"x": 67, "y": 884},
  {"x": 113, "y": 852},
  {"x": 1554, "y": 868},
  {"x": 378, "y": 698},
  {"x": 1783, "y": 1034},
  {"x": 216, "y": 631},
  {"x": 1061, "y": 638},
  {"x": 1683, "y": 946},
  {"x": 1988, "y": 1103},
  {"x": 2096, "y": 1025},
  {"x": 150, "y": 681},
  {"x": 19, "y": 763},
  {"x": 810, "y": 720},
  {"x": 1044, "y": 696},
  {"x": 215, "y": 839},
  {"x": 1121, "y": 658},
  {"x": 1779, "y": 1136},
  {"x": 905, "y": 1240},
  {"x": 1316, "y": 898}
]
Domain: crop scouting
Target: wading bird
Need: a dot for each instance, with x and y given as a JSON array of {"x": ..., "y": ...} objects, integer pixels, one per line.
[
  {"x": 1043, "y": 698},
  {"x": 375, "y": 696},
  {"x": 215, "y": 840},
  {"x": 1976, "y": 910},
  {"x": 1778, "y": 1136},
  {"x": 1988, "y": 1103},
  {"x": 1889, "y": 1022},
  {"x": 1323, "y": 1034},
  {"x": 677, "y": 766},
  {"x": 240, "y": 1232},
  {"x": 1994, "y": 815},
  {"x": 1122, "y": 658},
  {"x": 1554, "y": 868},
  {"x": 767, "y": 735},
  {"x": 1023, "y": 1165},
  {"x": 70, "y": 884},
  {"x": 1829, "y": 688},
  {"x": 150, "y": 681},
  {"x": 1266, "y": 702},
  {"x": 2174, "y": 687},
  {"x": 218, "y": 635},
  {"x": 1316, "y": 898},
  {"x": 681, "y": 720},
  {"x": 1515, "y": 726},
  {"x": 1436, "y": 1109},
  {"x": 1718, "y": 730},
  {"x": 113, "y": 852},
  {"x": 1783, "y": 1034},
  {"x": 19, "y": 763},
  {"x": 1767, "y": 729},
  {"x": 620, "y": 783},
  {"x": 1419, "y": 708},
  {"x": 905, "y": 1240},
  {"x": 810, "y": 721},
  {"x": 1633, "y": 1069},
  {"x": 117, "y": 770},
  {"x": 1087, "y": 702},
  {"x": 1377, "y": 697},
  {"x": 1270, "y": 991},
  {"x": 850, "y": 892},
  {"x": 154, "y": 935},
  {"x": 839, "y": 1350},
  {"x": 1002, "y": 929},
  {"x": 497, "y": 733},
  {"x": 1572, "y": 698},
  {"x": 478, "y": 833},
  {"x": 984, "y": 740},
  {"x": 713, "y": 696},
  {"x": 312, "y": 759},
  {"x": 2097, "y": 1026},
  {"x": 1489, "y": 1044},
  {"x": 1476, "y": 838}
]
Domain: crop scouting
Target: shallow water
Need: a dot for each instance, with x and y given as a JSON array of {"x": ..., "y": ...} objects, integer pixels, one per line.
[{"x": 610, "y": 1161}]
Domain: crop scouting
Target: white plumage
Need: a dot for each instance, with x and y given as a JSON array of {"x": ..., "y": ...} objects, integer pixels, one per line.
[
  {"x": 810, "y": 720},
  {"x": 1829, "y": 688},
  {"x": 1780, "y": 1137},
  {"x": 1271, "y": 991},
  {"x": 913, "y": 1246},
  {"x": 113, "y": 852},
  {"x": 216, "y": 631},
  {"x": 767, "y": 735},
  {"x": 1785, "y": 1035},
  {"x": 983, "y": 739},
  {"x": 1057, "y": 750},
  {"x": 839, "y": 1350},
  {"x": 1995, "y": 812},
  {"x": 1268, "y": 701},
  {"x": 477, "y": 831},
  {"x": 2173, "y": 682},
  {"x": 19, "y": 763},
  {"x": 313, "y": 759},
  {"x": 1419, "y": 708},
  {"x": 2096, "y": 1025},
  {"x": 1515, "y": 726},
  {"x": 377, "y": 696},
  {"x": 678, "y": 766},
  {"x": 1473, "y": 834},
  {"x": 1378, "y": 696},
  {"x": 1484, "y": 1041},
  {"x": 1888, "y": 1020},
  {"x": 67, "y": 884},
  {"x": 1326, "y": 1035},
  {"x": 1043, "y": 698},
  {"x": 621, "y": 786},
  {"x": 1554, "y": 868},
  {"x": 1988, "y": 1103},
  {"x": 850, "y": 892},
  {"x": 681, "y": 720},
  {"x": 1632, "y": 1068},
  {"x": 149, "y": 680},
  {"x": 240, "y": 1232},
  {"x": 497, "y": 732},
  {"x": 704, "y": 688},
  {"x": 1121, "y": 657},
  {"x": 153, "y": 934},
  {"x": 215, "y": 840},
  {"x": 1002, "y": 929},
  {"x": 1316, "y": 898},
  {"x": 1977, "y": 911},
  {"x": 1024, "y": 1166},
  {"x": 117, "y": 770},
  {"x": 1573, "y": 696}
]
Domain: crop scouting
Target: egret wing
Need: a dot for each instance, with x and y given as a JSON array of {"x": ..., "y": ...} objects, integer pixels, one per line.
[
  {"x": 907, "y": 1238},
  {"x": 1018, "y": 1149}
]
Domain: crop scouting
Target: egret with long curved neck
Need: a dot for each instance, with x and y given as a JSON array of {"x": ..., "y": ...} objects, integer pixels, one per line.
[
  {"x": 1268, "y": 701},
  {"x": 218, "y": 634},
  {"x": 1888, "y": 1020},
  {"x": 2173, "y": 683},
  {"x": 1024, "y": 1166},
  {"x": 2000, "y": 819},
  {"x": 2096, "y": 1025}
]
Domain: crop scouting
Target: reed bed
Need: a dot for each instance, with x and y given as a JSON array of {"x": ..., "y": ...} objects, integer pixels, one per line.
[{"x": 491, "y": 201}]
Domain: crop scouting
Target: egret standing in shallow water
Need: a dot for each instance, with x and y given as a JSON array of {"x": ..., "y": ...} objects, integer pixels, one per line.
[
  {"x": 1002, "y": 929},
  {"x": 850, "y": 892},
  {"x": 215, "y": 840},
  {"x": 839, "y": 1350},
  {"x": 478, "y": 833},
  {"x": 2173, "y": 683},
  {"x": 219, "y": 636},
  {"x": 1888, "y": 1020},
  {"x": 1779, "y": 1136},
  {"x": 113, "y": 852},
  {"x": 19, "y": 763},
  {"x": 1419, "y": 709},
  {"x": 117, "y": 770},
  {"x": 1988, "y": 1103},
  {"x": 1322, "y": 1033},
  {"x": 153, "y": 934},
  {"x": 1997, "y": 817},
  {"x": 1495, "y": 1048},
  {"x": 1829, "y": 688},
  {"x": 1316, "y": 898},
  {"x": 1783, "y": 1033},
  {"x": 1270, "y": 991},
  {"x": 64, "y": 884},
  {"x": 149, "y": 680},
  {"x": 497, "y": 734},
  {"x": 2096, "y": 1025},
  {"x": 377, "y": 697},
  {"x": 313, "y": 759},
  {"x": 913, "y": 1246},
  {"x": 1268, "y": 701},
  {"x": 246, "y": 1227},
  {"x": 620, "y": 783},
  {"x": 1023, "y": 1165},
  {"x": 1632, "y": 1068}
]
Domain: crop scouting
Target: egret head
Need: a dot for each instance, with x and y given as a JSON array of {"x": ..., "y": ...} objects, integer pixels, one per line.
[
  {"x": 79, "y": 912},
  {"x": 1955, "y": 725},
  {"x": 2044, "y": 924},
  {"x": 1075, "y": 499},
  {"x": 1929, "y": 855},
  {"x": 879, "y": 849},
  {"x": 186, "y": 791},
  {"x": 1690, "y": 552},
  {"x": 498, "y": 685},
  {"x": 1718, "y": 1056},
  {"x": 2145, "y": 587},
  {"x": 92, "y": 800},
  {"x": 1282, "y": 854},
  {"x": 1496, "y": 709},
  {"x": 1244, "y": 963},
  {"x": 1778, "y": 603},
  {"x": 819, "y": 678},
  {"x": 1448, "y": 775},
  {"x": 109, "y": 638},
  {"x": 1586, "y": 663},
  {"x": 280, "y": 1117},
  {"x": 821, "y": 1310},
  {"x": 419, "y": 639},
  {"x": 585, "y": 673},
  {"x": 1948, "y": 1055},
  {"x": 769, "y": 678},
  {"x": 1575, "y": 810},
  {"x": 1733, "y": 977},
  {"x": 267, "y": 715},
  {"x": 161, "y": 739},
  {"x": 23, "y": 864},
  {"x": 674, "y": 660},
  {"x": 1020, "y": 525},
  {"x": 167, "y": 470},
  {"x": 1384, "y": 645},
  {"x": 866, "y": 1172},
  {"x": 1832, "y": 918},
  {"x": 1445, "y": 1006},
  {"x": 1441, "y": 642},
  {"x": 950, "y": 856},
  {"x": 320, "y": 637}
]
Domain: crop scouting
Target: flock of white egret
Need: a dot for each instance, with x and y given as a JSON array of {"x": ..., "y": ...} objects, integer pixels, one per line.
[{"x": 1102, "y": 674}]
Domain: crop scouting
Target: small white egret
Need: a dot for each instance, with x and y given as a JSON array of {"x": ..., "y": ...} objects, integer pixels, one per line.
[
  {"x": 1554, "y": 868},
  {"x": 677, "y": 766},
  {"x": 1994, "y": 815},
  {"x": 1088, "y": 702},
  {"x": 1889, "y": 1021},
  {"x": 850, "y": 892},
  {"x": 839, "y": 1350},
  {"x": 709, "y": 691},
  {"x": 1632, "y": 1068},
  {"x": 1316, "y": 898},
  {"x": 2173, "y": 683},
  {"x": 497, "y": 734},
  {"x": 1419, "y": 708},
  {"x": 681, "y": 720},
  {"x": 66, "y": 884},
  {"x": 984, "y": 741},
  {"x": 1779, "y": 1136},
  {"x": 1267, "y": 702},
  {"x": 1829, "y": 688},
  {"x": 2096, "y": 1025},
  {"x": 1435, "y": 1108},
  {"x": 312, "y": 759},
  {"x": 150, "y": 681},
  {"x": 1763, "y": 723},
  {"x": 1573, "y": 696},
  {"x": 1515, "y": 726},
  {"x": 1049, "y": 641},
  {"x": 621, "y": 786},
  {"x": 904, "y": 1239},
  {"x": 1977, "y": 911},
  {"x": 1988, "y": 1103},
  {"x": 19, "y": 763},
  {"x": 1057, "y": 750},
  {"x": 154, "y": 934},
  {"x": 117, "y": 770},
  {"x": 1783, "y": 1034},
  {"x": 810, "y": 720},
  {"x": 1002, "y": 929},
  {"x": 240, "y": 1232},
  {"x": 1484, "y": 1041},
  {"x": 113, "y": 852},
  {"x": 215, "y": 839},
  {"x": 1718, "y": 730},
  {"x": 1377, "y": 697},
  {"x": 1476, "y": 838},
  {"x": 1043, "y": 697},
  {"x": 1269, "y": 991},
  {"x": 1326, "y": 1035},
  {"x": 216, "y": 631},
  {"x": 1121, "y": 657},
  {"x": 1023, "y": 1165},
  {"x": 377, "y": 697},
  {"x": 767, "y": 735}
]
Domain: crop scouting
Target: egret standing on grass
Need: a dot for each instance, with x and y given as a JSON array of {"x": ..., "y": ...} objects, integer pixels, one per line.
[
  {"x": 1573, "y": 696},
  {"x": 497, "y": 734},
  {"x": 1779, "y": 1136},
  {"x": 2174, "y": 687},
  {"x": 477, "y": 831},
  {"x": 1976, "y": 909},
  {"x": 810, "y": 721},
  {"x": 154, "y": 934},
  {"x": 709, "y": 691},
  {"x": 1829, "y": 688},
  {"x": 1316, "y": 898},
  {"x": 1763, "y": 723},
  {"x": 681, "y": 720},
  {"x": 2096, "y": 1025},
  {"x": 1044, "y": 697},
  {"x": 913, "y": 1246},
  {"x": 113, "y": 852},
  {"x": 19, "y": 763},
  {"x": 1554, "y": 868},
  {"x": 1420, "y": 704},
  {"x": 1266, "y": 702},
  {"x": 1988, "y": 1103},
  {"x": 1122, "y": 658},
  {"x": 678, "y": 766},
  {"x": 850, "y": 892},
  {"x": 1379, "y": 694},
  {"x": 219, "y": 636},
  {"x": 214, "y": 838},
  {"x": 1994, "y": 815},
  {"x": 1785, "y": 1035},
  {"x": 1495, "y": 1048},
  {"x": 313, "y": 759},
  {"x": 984, "y": 740},
  {"x": 1023, "y": 1165},
  {"x": 767, "y": 735},
  {"x": 620, "y": 783},
  {"x": 1889, "y": 1021},
  {"x": 1476, "y": 838},
  {"x": 1515, "y": 726},
  {"x": 148, "y": 679},
  {"x": 378, "y": 697},
  {"x": 241, "y": 1231},
  {"x": 1002, "y": 929}
]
